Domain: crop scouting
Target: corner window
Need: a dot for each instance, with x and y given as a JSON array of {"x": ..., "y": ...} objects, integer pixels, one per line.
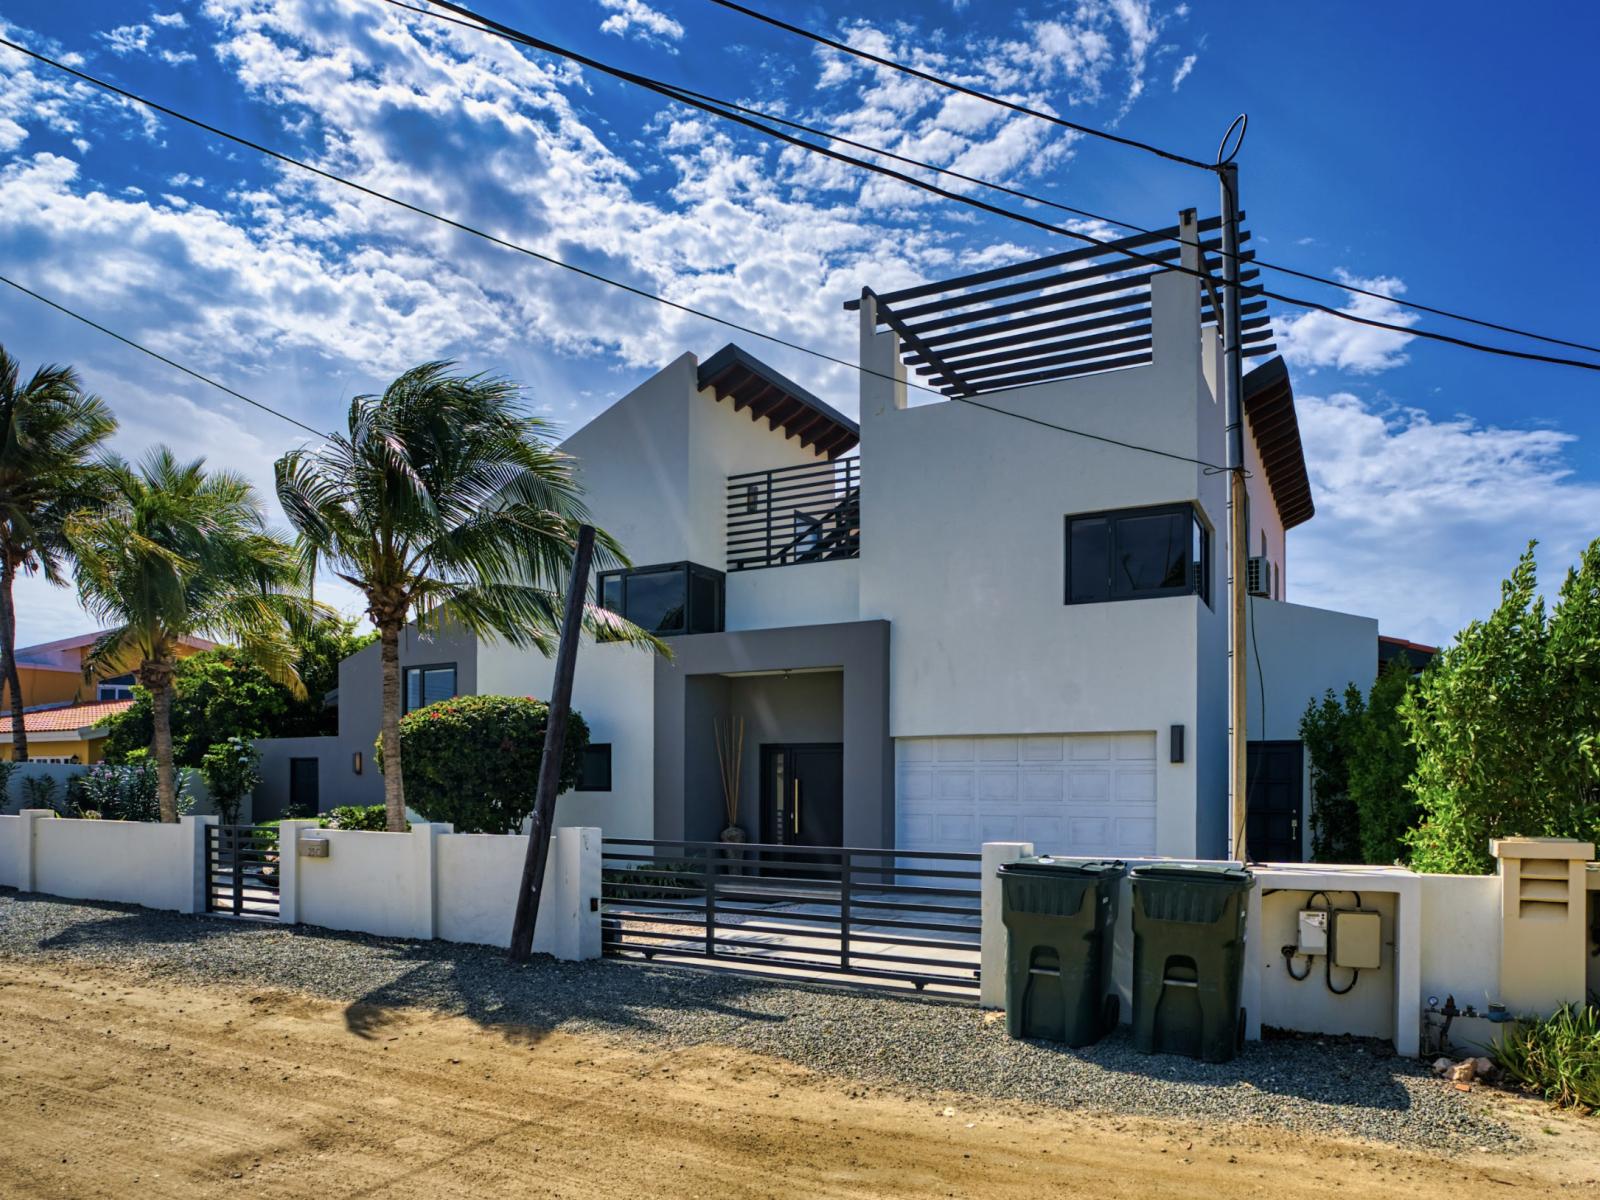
[
  {"x": 119, "y": 688},
  {"x": 594, "y": 773},
  {"x": 428, "y": 685},
  {"x": 666, "y": 600},
  {"x": 1133, "y": 554}
]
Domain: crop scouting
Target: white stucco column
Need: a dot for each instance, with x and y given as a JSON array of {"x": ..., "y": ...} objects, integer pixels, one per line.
[
  {"x": 569, "y": 910},
  {"x": 1408, "y": 967},
  {"x": 26, "y": 869},
  {"x": 194, "y": 843},
  {"x": 289, "y": 869},
  {"x": 992, "y": 954},
  {"x": 423, "y": 905}
]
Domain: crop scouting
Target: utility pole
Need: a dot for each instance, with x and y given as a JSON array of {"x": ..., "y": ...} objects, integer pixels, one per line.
[
  {"x": 555, "y": 738},
  {"x": 1238, "y": 509}
]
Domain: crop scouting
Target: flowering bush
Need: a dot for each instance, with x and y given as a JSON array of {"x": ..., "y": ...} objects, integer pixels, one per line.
[
  {"x": 232, "y": 771},
  {"x": 474, "y": 760},
  {"x": 127, "y": 792}
]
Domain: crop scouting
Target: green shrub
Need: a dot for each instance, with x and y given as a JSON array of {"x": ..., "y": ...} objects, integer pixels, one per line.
[
  {"x": 1557, "y": 1058},
  {"x": 39, "y": 791},
  {"x": 665, "y": 880},
  {"x": 232, "y": 771},
  {"x": 374, "y": 818},
  {"x": 127, "y": 792},
  {"x": 7, "y": 770},
  {"x": 474, "y": 760}
]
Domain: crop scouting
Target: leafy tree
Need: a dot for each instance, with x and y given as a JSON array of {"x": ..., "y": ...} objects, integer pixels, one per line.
[
  {"x": 1381, "y": 762},
  {"x": 215, "y": 695},
  {"x": 174, "y": 552},
  {"x": 232, "y": 771},
  {"x": 443, "y": 495},
  {"x": 320, "y": 646},
  {"x": 1327, "y": 729},
  {"x": 1505, "y": 724},
  {"x": 475, "y": 759},
  {"x": 50, "y": 434}
]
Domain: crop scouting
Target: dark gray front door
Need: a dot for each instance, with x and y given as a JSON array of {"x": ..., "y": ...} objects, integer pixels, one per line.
[
  {"x": 802, "y": 794},
  {"x": 1274, "y": 800},
  {"x": 305, "y": 787}
]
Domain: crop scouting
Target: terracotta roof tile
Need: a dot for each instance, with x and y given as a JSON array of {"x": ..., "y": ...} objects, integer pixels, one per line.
[{"x": 69, "y": 718}]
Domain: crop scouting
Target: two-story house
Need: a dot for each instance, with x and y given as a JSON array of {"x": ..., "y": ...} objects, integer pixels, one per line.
[
  {"x": 993, "y": 608},
  {"x": 67, "y": 703}
]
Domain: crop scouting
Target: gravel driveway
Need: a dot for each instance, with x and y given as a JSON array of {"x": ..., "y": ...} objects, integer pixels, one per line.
[{"x": 1339, "y": 1088}]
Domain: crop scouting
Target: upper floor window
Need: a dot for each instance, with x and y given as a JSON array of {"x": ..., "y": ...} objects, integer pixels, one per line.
[
  {"x": 118, "y": 688},
  {"x": 1136, "y": 553},
  {"x": 428, "y": 685},
  {"x": 667, "y": 599}
]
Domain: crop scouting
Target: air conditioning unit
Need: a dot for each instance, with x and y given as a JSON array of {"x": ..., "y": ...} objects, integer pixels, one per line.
[{"x": 1258, "y": 576}]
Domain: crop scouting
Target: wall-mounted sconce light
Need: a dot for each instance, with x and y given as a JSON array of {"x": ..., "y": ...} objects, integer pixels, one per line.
[
  {"x": 1175, "y": 742},
  {"x": 355, "y": 762}
]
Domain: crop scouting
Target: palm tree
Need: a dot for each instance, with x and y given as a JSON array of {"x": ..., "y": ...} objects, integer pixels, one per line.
[
  {"x": 50, "y": 433},
  {"x": 174, "y": 552},
  {"x": 444, "y": 496}
]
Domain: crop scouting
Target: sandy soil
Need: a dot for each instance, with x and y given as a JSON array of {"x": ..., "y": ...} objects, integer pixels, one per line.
[{"x": 110, "y": 1087}]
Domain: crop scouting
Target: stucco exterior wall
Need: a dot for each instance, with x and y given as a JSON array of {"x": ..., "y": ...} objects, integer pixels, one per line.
[
  {"x": 130, "y": 861},
  {"x": 798, "y": 594},
  {"x": 1295, "y": 654}
]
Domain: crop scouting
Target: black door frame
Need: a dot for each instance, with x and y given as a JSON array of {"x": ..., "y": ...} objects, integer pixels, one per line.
[{"x": 774, "y": 826}]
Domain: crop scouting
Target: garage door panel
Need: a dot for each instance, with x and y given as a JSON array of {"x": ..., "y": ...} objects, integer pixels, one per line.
[{"x": 1090, "y": 794}]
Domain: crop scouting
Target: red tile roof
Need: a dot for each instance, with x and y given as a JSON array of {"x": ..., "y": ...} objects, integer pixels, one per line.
[{"x": 69, "y": 718}]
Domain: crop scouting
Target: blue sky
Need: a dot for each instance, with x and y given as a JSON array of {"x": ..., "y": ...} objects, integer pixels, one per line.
[{"x": 1452, "y": 159}]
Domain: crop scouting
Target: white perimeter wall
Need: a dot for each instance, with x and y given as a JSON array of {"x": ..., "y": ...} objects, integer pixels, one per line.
[
  {"x": 963, "y": 551},
  {"x": 134, "y": 862},
  {"x": 614, "y": 689}
]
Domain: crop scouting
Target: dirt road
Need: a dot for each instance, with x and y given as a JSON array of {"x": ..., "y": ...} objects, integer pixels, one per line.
[{"x": 114, "y": 1088}]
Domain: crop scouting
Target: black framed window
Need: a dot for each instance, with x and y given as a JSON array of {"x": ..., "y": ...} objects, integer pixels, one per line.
[
  {"x": 119, "y": 687},
  {"x": 594, "y": 772},
  {"x": 667, "y": 599},
  {"x": 1136, "y": 553},
  {"x": 428, "y": 685}
]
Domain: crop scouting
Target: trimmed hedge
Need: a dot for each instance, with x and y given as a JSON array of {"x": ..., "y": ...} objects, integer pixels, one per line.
[{"x": 474, "y": 760}]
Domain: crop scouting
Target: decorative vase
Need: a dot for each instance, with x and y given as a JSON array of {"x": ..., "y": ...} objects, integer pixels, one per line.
[{"x": 734, "y": 835}]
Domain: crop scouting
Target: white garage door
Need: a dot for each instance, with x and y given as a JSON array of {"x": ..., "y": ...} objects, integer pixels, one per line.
[{"x": 1075, "y": 794}]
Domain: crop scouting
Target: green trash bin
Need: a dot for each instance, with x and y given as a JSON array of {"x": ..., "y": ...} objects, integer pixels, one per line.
[
  {"x": 1188, "y": 959},
  {"x": 1059, "y": 914}
]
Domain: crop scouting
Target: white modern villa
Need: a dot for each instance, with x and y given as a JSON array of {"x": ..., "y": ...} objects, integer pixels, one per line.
[{"x": 951, "y": 622}]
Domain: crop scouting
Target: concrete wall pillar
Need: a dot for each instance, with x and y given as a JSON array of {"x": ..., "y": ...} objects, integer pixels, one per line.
[
  {"x": 26, "y": 869},
  {"x": 289, "y": 834},
  {"x": 569, "y": 912},
  {"x": 1543, "y": 922},
  {"x": 994, "y": 942},
  {"x": 196, "y": 847},
  {"x": 424, "y": 904}
]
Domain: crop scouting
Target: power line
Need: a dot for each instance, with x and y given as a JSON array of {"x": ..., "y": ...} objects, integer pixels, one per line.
[
  {"x": 127, "y": 341},
  {"x": 509, "y": 245},
  {"x": 845, "y": 48},
  {"x": 671, "y": 91},
  {"x": 1310, "y": 277}
]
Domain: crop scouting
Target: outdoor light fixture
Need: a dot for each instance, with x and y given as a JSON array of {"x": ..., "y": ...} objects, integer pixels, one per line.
[
  {"x": 1175, "y": 740},
  {"x": 355, "y": 762}
]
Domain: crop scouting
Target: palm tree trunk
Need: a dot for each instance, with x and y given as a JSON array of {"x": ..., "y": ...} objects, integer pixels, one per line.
[
  {"x": 161, "y": 723},
  {"x": 9, "y": 675},
  {"x": 394, "y": 792}
]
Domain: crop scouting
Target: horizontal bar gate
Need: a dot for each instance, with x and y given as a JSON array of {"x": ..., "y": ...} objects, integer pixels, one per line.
[
  {"x": 242, "y": 870},
  {"x": 890, "y": 918}
]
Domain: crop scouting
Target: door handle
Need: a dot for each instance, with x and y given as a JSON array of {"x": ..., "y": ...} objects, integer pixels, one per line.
[
  {"x": 1294, "y": 827},
  {"x": 794, "y": 808}
]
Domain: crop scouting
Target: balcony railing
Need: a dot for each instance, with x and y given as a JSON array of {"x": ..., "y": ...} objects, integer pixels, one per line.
[{"x": 809, "y": 513}]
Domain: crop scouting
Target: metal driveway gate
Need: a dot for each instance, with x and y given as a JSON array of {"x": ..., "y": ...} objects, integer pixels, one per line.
[
  {"x": 242, "y": 870},
  {"x": 892, "y": 918}
]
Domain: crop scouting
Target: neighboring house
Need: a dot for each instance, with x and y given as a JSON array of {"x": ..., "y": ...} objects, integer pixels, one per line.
[
  {"x": 974, "y": 628},
  {"x": 66, "y": 707}
]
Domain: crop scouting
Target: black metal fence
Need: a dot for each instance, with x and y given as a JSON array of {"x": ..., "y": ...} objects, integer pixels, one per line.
[
  {"x": 807, "y": 513},
  {"x": 242, "y": 870},
  {"x": 878, "y": 916}
]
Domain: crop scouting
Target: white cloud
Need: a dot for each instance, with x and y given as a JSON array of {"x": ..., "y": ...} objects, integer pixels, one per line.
[
  {"x": 1183, "y": 70},
  {"x": 1418, "y": 519},
  {"x": 171, "y": 20},
  {"x": 127, "y": 39},
  {"x": 639, "y": 19},
  {"x": 1318, "y": 339}
]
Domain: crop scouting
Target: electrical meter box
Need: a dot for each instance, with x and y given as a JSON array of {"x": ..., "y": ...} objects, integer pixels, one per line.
[
  {"x": 1357, "y": 939},
  {"x": 1313, "y": 931}
]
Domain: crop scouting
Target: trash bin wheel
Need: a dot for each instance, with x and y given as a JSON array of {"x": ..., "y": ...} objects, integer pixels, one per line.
[{"x": 1111, "y": 1013}]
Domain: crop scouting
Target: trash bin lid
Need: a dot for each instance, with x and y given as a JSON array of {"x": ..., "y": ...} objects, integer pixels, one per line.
[
  {"x": 1202, "y": 874},
  {"x": 1047, "y": 864}
]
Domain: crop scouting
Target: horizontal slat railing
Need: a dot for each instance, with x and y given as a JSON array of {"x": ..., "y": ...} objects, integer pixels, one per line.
[
  {"x": 806, "y": 513},
  {"x": 877, "y": 915}
]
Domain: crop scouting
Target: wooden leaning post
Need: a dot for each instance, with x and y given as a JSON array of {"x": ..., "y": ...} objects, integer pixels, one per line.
[{"x": 555, "y": 738}]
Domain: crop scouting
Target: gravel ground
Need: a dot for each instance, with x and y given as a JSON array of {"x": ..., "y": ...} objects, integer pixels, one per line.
[{"x": 1334, "y": 1087}]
